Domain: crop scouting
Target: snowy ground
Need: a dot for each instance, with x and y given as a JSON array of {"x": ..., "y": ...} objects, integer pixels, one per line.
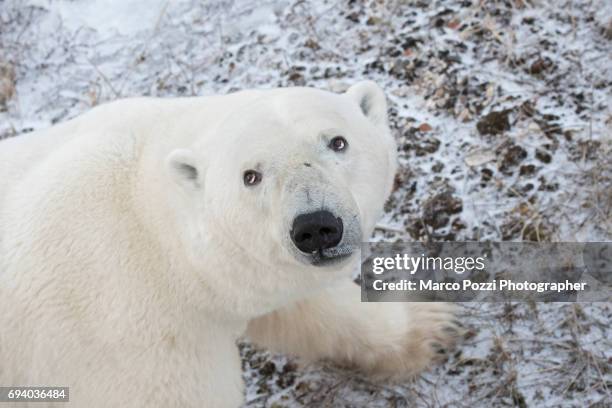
[{"x": 502, "y": 110}]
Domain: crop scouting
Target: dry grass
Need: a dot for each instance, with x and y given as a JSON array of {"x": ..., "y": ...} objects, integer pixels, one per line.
[{"x": 7, "y": 84}]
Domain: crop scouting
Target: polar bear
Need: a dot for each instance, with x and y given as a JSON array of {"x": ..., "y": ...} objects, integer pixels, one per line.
[{"x": 140, "y": 240}]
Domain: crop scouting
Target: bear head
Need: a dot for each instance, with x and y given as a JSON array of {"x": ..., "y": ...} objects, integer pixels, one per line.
[{"x": 293, "y": 180}]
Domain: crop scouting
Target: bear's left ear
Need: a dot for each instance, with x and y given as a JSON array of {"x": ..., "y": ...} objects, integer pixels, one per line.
[
  {"x": 371, "y": 100},
  {"x": 183, "y": 168}
]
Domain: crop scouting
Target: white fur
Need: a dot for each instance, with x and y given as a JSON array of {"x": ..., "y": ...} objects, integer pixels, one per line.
[{"x": 132, "y": 256}]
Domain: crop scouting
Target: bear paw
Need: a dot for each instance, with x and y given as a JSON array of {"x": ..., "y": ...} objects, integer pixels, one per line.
[{"x": 430, "y": 331}]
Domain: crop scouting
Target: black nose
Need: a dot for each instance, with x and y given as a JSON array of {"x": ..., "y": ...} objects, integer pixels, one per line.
[{"x": 318, "y": 230}]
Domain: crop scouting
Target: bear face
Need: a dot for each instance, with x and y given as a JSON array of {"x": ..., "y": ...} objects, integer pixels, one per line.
[{"x": 290, "y": 182}]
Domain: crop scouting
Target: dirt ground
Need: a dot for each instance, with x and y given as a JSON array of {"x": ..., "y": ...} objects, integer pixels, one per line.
[{"x": 501, "y": 109}]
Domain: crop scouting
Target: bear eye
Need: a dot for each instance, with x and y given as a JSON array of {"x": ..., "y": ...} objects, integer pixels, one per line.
[
  {"x": 338, "y": 144},
  {"x": 251, "y": 177}
]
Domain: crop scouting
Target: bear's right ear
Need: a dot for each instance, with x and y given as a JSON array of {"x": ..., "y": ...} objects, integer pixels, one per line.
[
  {"x": 371, "y": 100},
  {"x": 183, "y": 168}
]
